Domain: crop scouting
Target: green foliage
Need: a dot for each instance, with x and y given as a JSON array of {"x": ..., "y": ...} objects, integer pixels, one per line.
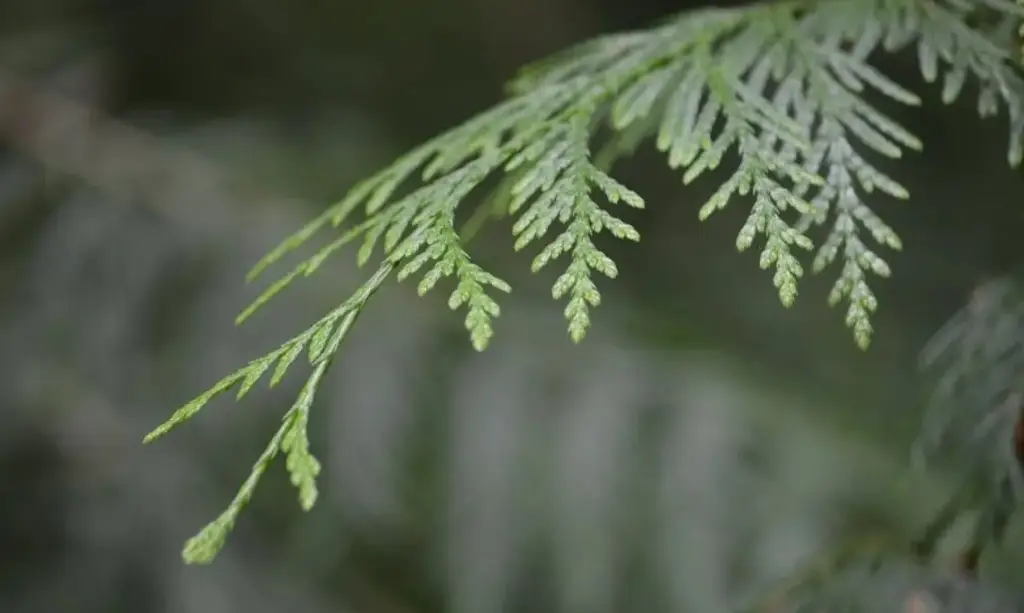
[
  {"x": 779, "y": 90},
  {"x": 872, "y": 576},
  {"x": 975, "y": 418},
  {"x": 976, "y": 360}
]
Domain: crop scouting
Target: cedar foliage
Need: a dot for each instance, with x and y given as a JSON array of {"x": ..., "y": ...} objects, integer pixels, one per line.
[{"x": 779, "y": 90}]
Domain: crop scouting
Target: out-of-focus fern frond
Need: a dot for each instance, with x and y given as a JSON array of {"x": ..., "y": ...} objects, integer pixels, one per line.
[
  {"x": 777, "y": 89},
  {"x": 977, "y": 360}
]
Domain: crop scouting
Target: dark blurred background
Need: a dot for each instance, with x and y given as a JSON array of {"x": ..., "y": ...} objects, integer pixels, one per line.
[{"x": 701, "y": 442}]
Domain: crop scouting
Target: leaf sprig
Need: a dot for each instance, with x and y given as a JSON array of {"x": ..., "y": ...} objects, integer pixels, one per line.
[
  {"x": 779, "y": 89},
  {"x": 321, "y": 342}
]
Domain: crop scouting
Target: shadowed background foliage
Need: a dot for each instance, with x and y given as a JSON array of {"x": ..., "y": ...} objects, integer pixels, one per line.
[{"x": 701, "y": 441}]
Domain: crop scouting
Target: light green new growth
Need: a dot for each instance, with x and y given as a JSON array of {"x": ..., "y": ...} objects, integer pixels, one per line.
[{"x": 778, "y": 90}]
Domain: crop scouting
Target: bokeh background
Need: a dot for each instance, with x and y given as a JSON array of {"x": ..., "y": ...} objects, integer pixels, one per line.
[{"x": 701, "y": 442}]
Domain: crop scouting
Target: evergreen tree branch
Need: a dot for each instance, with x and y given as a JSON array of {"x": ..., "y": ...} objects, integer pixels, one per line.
[{"x": 777, "y": 89}]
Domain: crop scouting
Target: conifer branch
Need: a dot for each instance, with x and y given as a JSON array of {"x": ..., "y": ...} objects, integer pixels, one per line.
[{"x": 776, "y": 90}]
